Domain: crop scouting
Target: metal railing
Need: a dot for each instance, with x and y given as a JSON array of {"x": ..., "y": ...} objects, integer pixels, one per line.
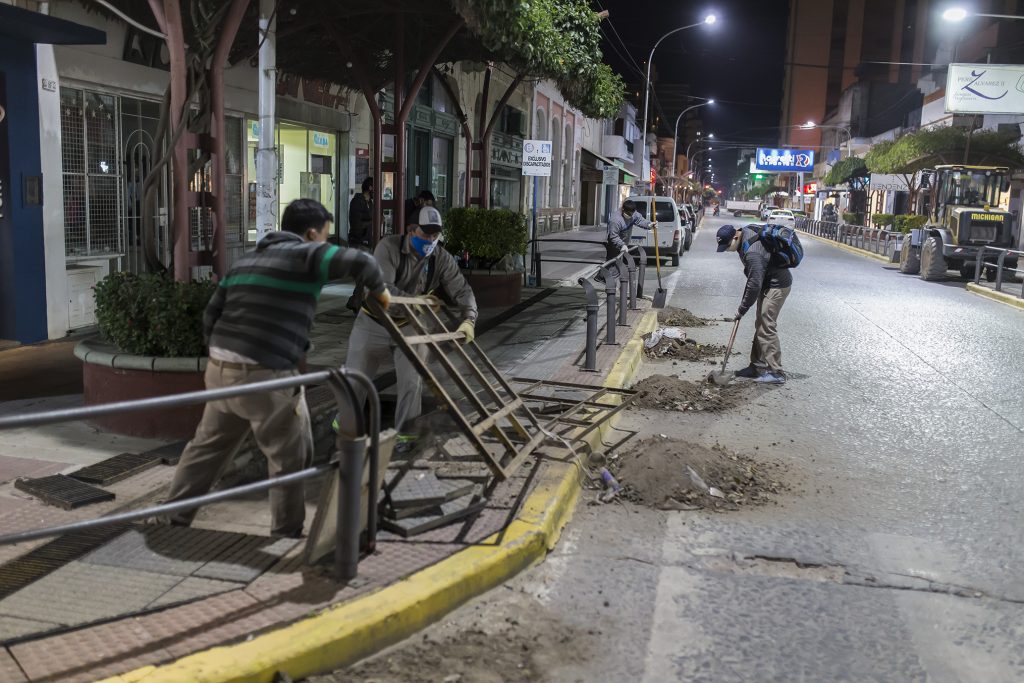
[
  {"x": 349, "y": 461},
  {"x": 999, "y": 266},
  {"x": 874, "y": 240},
  {"x": 630, "y": 286}
]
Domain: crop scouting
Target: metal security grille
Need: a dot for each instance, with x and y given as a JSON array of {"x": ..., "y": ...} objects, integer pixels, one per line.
[
  {"x": 92, "y": 169},
  {"x": 139, "y": 122},
  {"x": 234, "y": 167}
]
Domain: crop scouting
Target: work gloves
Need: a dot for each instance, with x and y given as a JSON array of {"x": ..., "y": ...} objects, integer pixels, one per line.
[
  {"x": 624, "y": 248},
  {"x": 468, "y": 330},
  {"x": 738, "y": 316},
  {"x": 383, "y": 298}
]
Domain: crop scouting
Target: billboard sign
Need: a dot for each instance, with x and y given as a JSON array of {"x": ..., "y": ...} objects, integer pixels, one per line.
[
  {"x": 985, "y": 89},
  {"x": 537, "y": 157},
  {"x": 784, "y": 160},
  {"x": 889, "y": 183}
]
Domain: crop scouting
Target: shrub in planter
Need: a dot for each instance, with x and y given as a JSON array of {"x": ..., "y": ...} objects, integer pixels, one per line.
[
  {"x": 882, "y": 220},
  {"x": 906, "y": 222},
  {"x": 851, "y": 218},
  {"x": 152, "y": 315},
  {"x": 487, "y": 234}
]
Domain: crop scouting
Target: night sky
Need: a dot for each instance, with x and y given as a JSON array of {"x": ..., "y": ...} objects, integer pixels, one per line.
[{"x": 738, "y": 61}]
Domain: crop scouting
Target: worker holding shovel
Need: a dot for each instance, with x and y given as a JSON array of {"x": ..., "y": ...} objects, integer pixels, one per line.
[
  {"x": 620, "y": 231},
  {"x": 768, "y": 285}
]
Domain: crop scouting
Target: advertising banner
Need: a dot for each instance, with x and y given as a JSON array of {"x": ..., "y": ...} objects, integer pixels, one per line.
[
  {"x": 985, "y": 89},
  {"x": 784, "y": 160}
]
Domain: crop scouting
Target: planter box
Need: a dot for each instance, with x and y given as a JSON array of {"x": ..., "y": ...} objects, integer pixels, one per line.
[
  {"x": 495, "y": 290},
  {"x": 109, "y": 375}
]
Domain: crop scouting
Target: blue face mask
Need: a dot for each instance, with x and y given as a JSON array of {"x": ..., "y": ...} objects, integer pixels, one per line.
[{"x": 423, "y": 247}]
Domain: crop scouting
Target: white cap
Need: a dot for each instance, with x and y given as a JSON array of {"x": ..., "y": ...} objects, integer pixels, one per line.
[{"x": 429, "y": 217}]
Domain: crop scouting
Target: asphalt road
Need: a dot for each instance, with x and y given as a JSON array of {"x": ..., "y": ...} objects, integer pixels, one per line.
[{"x": 895, "y": 556}]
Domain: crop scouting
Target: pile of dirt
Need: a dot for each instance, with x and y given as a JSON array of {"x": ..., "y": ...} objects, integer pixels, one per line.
[
  {"x": 671, "y": 316},
  {"x": 670, "y": 474},
  {"x": 663, "y": 392},
  {"x": 683, "y": 349}
]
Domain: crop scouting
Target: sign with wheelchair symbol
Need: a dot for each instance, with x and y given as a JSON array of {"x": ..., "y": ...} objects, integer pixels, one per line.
[{"x": 537, "y": 157}]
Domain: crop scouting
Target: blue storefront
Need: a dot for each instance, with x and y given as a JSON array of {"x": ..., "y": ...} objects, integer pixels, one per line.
[{"x": 22, "y": 268}]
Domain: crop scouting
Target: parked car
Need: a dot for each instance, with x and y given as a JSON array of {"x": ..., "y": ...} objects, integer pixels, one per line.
[
  {"x": 689, "y": 225},
  {"x": 782, "y": 217},
  {"x": 766, "y": 211},
  {"x": 670, "y": 228},
  {"x": 694, "y": 218}
]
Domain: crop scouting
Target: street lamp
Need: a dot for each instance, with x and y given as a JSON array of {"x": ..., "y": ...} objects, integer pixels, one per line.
[
  {"x": 811, "y": 125},
  {"x": 956, "y": 14},
  {"x": 708, "y": 20},
  {"x": 675, "y": 139}
]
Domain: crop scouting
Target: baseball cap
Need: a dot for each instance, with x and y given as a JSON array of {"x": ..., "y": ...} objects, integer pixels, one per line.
[
  {"x": 724, "y": 237},
  {"x": 429, "y": 220}
]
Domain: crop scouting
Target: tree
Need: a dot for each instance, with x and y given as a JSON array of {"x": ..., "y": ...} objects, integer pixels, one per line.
[
  {"x": 851, "y": 171},
  {"x": 910, "y": 153}
]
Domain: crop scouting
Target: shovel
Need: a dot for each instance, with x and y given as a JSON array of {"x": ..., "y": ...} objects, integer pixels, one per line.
[
  {"x": 660, "y": 294},
  {"x": 720, "y": 378}
]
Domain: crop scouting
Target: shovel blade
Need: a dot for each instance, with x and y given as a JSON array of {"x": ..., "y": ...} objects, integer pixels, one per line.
[
  {"x": 718, "y": 379},
  {"x": 660, "y": 297}
]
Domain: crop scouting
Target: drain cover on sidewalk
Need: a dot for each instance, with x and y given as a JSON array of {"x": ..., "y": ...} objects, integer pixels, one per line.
[
  {"x": 62, "y": 491},
  {"x": 116, "y": 468}
]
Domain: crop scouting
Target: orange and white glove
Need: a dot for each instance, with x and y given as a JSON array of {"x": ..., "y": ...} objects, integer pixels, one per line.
[{"x": 383, "y": 298}]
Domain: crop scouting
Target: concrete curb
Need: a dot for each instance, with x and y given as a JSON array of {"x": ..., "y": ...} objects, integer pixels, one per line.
[
  {"x": 349, "y": 632},
  {"x": 848, "y": 248},
  {"x": 1001, "y": 297}
]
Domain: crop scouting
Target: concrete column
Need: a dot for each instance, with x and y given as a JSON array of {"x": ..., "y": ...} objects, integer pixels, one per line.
[{"x": 266, "y": 155}]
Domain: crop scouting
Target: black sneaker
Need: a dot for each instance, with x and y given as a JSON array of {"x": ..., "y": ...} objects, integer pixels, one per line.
[{"x": 749, "y": 372}]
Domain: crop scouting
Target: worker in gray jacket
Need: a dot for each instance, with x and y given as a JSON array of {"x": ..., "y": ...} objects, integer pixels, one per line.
[
  {"x": 414, "y": 265},
  {"x": 620, "y": 231}
]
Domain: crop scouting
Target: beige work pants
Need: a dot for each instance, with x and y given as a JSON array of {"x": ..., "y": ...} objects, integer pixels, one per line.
[
  {"x": 280, "y": 424},
  {"x": 766, "y": 350}
]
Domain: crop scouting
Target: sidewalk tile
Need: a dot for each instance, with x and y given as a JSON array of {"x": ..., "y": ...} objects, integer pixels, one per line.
[
  {"x": 89, "y": 654},
  {"x": 246, "y": 560},
  {"x": 87, "y": 593},
  {"x": 193, "y": 588},
  {"x": 10, "y": 672},
  {"x": 198, "y": 625},
  {"x": 13, "y": 467},
  {"x": 14, "y": 627},
  {"x": 179, "y": 551}
]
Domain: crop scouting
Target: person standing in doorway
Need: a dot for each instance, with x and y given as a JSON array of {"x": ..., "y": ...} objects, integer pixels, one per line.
[{"x": 360, "y": 217}]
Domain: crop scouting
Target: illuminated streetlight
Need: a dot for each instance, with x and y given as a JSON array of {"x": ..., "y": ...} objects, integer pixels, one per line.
[
  {"x": 710, "y": 19},
  {"x": 955, "y": 14}
]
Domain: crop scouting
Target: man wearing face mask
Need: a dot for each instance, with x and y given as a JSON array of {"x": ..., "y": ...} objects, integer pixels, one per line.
[{"x": 413, "y": 265}]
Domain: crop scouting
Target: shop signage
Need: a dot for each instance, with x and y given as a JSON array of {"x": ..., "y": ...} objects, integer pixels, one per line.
[
  {"x": 783, "y": 160},
  {"x": 887, "y": 183},
  {"x": 985, "y": 89},
  {"x": 319, "y": 139},
  {"x": 810, "y": 188},
  {"x": 507, "y": 156},
  {"x": 537, "y": 157},
  {"x": 610, "y": 175}
]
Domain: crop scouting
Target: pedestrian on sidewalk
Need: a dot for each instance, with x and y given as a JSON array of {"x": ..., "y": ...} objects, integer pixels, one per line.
[
  {"x": 414, "y": 265},
  {"x": 620, "y": 232},
  {"x": 768, "y": 285},
  {"x": 413, "y": 206},
  {"x": 360, "y": 217},
  {"x": 257, "y": 328}
]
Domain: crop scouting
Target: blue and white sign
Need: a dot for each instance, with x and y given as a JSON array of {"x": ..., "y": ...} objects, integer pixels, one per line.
[
  {"x": 985, "y": 89},
  {"x": 320, "y": 139},
  {"x": 782, "y": 160},
  {"x": 537, "y": 157}
]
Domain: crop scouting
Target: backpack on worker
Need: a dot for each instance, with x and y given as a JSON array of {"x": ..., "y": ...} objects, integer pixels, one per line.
[{"x": 781, "y": 242}]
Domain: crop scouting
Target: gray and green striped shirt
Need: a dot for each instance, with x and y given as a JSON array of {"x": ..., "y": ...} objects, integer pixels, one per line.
[{"x": 264, "y": 306}]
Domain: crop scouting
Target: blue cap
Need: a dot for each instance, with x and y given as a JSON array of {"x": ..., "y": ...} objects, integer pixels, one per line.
[{"x": 724, "y": 237}]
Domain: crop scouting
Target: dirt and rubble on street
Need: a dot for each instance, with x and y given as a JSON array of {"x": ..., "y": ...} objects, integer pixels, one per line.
[
  {"x": 514, "y": 641},
  {"x": 664, "y": 392},
  {"x": 670, "y": 474},
  {"x": 661, "y": 346},
  {"x": 672, "y": 316}
]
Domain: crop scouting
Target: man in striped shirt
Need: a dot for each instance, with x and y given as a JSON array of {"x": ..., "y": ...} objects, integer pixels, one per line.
[{"x": 257, "y": 327}]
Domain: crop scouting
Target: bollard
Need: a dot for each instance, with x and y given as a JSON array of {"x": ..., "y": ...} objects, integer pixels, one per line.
[
  {"x": 590, "y": 362},
  {"x": 631, "y": 271},
  {"x": 609, "y": 290},
  {"x": 536, "y": 266},
  {"x": 350, "y": 471},
  {"x": 977, "y": 265},
  {"x": 623, "y": 295},
  {"x": 641, "y": 261},
  {"x": 999, "y": 270}
]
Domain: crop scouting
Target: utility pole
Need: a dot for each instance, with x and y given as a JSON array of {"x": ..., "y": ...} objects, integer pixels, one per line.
[{"x": 266, "y": 155}]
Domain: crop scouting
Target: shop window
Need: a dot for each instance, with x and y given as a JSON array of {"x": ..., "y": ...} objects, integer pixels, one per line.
[{"x": 440, "y": 172}]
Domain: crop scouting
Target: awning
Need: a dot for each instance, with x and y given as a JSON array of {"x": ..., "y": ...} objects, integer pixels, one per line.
[
  {"x": 597, "y": 157},
  {"x": 33, "y": 27}
]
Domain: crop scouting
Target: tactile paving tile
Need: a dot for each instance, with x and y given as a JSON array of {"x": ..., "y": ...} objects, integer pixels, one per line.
[
  {"x": 88, "y": 593},
  {"x": 193, "y": 588},
  {"x": 246, "y": 560},
  {"x": 169, "y": 549},
  {"x": 12, "y": 628},
  {"x": 62, "y": 491},
  {"x": 10, "y": 672},
  {"x": 423, "y": 489},
  {"x": 448, "y": 513},
  {"x": 116, "y": 468}
]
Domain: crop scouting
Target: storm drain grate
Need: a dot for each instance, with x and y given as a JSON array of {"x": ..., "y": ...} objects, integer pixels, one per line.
[
  {"x": 62, "y": 491},
  {"x": 116, "y": 468},
  {"x": 37, "y": 563}
]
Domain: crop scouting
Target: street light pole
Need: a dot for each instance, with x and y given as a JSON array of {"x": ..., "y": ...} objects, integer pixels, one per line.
[
  {"x": 675, "y": 139},
  {"x": 710, "y": 19},
  {"x": 811, "y": 125},
  {"x": 959, "y": 14}
]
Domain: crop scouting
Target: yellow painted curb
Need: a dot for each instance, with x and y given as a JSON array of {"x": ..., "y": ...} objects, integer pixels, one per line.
[
  {"x": 351, "y": 631},
  {"x": 848, "y": 248},
  {"x": 1001, "y": 297}
]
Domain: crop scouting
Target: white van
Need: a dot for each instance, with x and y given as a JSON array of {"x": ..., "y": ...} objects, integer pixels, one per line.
[{"x": 670, "y": 229}]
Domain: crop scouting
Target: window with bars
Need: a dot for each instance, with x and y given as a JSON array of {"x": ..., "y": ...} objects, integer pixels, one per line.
[{"x": 92, "y": 170}]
